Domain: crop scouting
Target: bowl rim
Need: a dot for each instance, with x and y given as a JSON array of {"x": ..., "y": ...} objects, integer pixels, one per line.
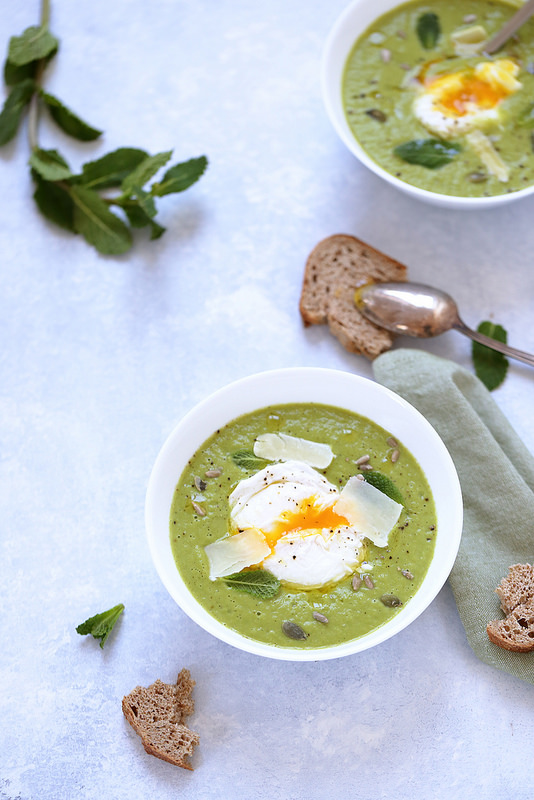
[
  {"x": 289, "y": 384},
  {"x": 340, "y": 40}
]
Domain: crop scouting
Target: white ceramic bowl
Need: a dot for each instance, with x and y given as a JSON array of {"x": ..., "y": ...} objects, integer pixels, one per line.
[
  {"x": 354, "y": 21},
  {"x": 305, "y": 385}
]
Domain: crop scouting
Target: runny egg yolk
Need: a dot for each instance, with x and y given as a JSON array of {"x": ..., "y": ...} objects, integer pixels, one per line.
[
  {"x": 459, "y": 102},
  {"x": 308, "y": 515}
]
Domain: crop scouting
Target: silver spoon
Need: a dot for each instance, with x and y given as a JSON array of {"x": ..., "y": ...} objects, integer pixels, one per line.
[
  {"x": 413, "y": 309},
  {"x": 515, "y": 22}
]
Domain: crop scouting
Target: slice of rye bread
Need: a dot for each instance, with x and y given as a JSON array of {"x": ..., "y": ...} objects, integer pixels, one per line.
[
  {"x": 335, "y": 268},
  {"x": 158, "y": 713},
  {"x": 516, "y": 592}
]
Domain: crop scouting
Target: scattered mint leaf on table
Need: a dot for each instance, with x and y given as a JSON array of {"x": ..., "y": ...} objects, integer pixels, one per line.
[
  {"x": 101, "y": 625},
  {"x": 490, "y": 366},
  {"x": 384, "y": 484},
  {"x": 428, "y": 29},
  {"x": 80, "y": 202},
  {"x": 429, "y": 153},
  {"x": 258, "y": 582}
]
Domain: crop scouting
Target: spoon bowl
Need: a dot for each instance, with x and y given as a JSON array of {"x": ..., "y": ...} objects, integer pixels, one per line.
[{"x": 414, "y": 309}]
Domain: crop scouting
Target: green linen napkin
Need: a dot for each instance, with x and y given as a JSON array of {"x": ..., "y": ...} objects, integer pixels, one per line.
[{"x": 496, "y": 474}]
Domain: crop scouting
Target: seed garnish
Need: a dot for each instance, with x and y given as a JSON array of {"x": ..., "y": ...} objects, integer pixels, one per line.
[
  {"x": 407, "y": 574},
  {"x": 368, "y": 582},
  {"x": 377, "y": 114},
  {"x": 320, "y": 617},
  {"x": 391, "y": 442},
  {"x": 391, "y": 600},
  {"x": 213, "y": 473},
  {"x": 198, "y": 509},
  {"x": 362, "y": 460},
  {"x": 293, "y": 630},
  {"x": 394, "y": 456},
  {"x": 356, "y": 582},
  {"x": 200, "y": 484}
]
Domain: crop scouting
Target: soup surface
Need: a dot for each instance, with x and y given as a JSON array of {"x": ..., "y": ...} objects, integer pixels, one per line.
[
  {"x": 200, "y": 515},
  {"x": 430, "y": 108}
]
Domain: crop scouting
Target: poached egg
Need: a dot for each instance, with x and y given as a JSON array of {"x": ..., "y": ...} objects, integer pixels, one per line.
[
  {"x": 457, "y": 103},
  {"x": 289, "y": 519}
]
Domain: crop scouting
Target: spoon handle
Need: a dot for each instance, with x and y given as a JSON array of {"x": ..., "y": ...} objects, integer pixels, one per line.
[
  {"x": 510, "y": 28},
  {"x": 520, "y": 355}
]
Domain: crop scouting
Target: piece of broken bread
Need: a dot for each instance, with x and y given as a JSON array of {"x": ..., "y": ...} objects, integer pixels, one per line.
[
  {"x": 335, "y": 268},
  {"x": 516, "y": 592},
  {"x": 158, "y": 713}
]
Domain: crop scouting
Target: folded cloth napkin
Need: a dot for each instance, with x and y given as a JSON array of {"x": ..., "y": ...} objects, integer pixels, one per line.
[{"x": 496, "y": 473}]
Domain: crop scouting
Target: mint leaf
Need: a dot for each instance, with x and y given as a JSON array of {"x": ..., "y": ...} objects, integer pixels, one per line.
[
  {"x": 143, "y": 172},
  {"x": 110, "y": 170},
  {"x": 429, "y": 153},
  {"x": 68, "y": 121},
  {"x": 384, "y": 484},
  {"x": 258, "y": 582},
  {"x": 50, "y": 165},
  {"x": 247, "y": 460},
  {"x": 55, "y": 203},
  {"x": 490, "y": 366},
  {"x": 140, "y": 212},
  {"x": 14, "y": 74},
  {"x": 13, "y": 108},
  {"x": 181, "y": 176},
  {"x": 428, "y": 29},
  {"x": 97, "y": 224},
  {"x": 101, "y": 625},
  {"x": 34, "y": 43}
]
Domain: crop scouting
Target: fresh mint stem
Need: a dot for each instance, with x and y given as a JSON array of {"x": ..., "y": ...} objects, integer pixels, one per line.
[{"x": 33, "y": 111}]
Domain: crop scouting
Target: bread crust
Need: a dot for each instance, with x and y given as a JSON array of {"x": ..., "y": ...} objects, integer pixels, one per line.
[
  {"x": 335, "y": 268},
  {"x": 516, "y": 592},
  {"x": 158, "y": 714}
]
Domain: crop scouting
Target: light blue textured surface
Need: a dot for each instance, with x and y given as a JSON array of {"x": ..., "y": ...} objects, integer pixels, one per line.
[{"x": 100, "y": 357}]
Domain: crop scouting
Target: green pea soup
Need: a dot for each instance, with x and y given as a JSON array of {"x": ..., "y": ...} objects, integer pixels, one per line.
[
  {"x": 378, "y": 96},
  {"x": 200, "y": 515}
]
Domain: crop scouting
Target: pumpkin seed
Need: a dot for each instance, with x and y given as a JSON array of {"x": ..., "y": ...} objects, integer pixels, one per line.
[
  {"x": 376, "y": 113},
  {"x": 200, "y": 484},
  {"x": 293, "y": 630},
  {"x": 391, "y": 600},
  {"x": 320, "y": 617}
]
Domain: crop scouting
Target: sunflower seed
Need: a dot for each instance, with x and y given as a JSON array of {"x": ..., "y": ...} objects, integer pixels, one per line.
[
  {"x": 356, "y": 582},
  {"x": 407, "y": 574},
  {"x": 385, "y": 55},
  {"x": 198, "y": 509},
  {"x": 391, "y": 600},
  {"x": 293, "y": 630},
  {"x": 391, "y": 442},
  {"x": 368, "y": 582},
  {"x": 362, "y": 460},
  {"x": 213, "y": 473},
  {"x": 365, "y": 467},
  {"x": 200, "y": 484},
  {"x": 470, "y": 18},
  {"x": 394, "y": 456},
  {"x": 320, "y": 617},
  {"x": 477, "y": 177}
]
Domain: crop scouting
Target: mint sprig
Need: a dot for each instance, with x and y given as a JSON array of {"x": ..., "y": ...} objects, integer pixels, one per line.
[
  {"x": 80, "y": 202},
  {"x": 101, "y": 625},
  {"x": 428, "y": 29},
  {"x": 490, "y": 366},
  {"x": 258, "y": 582}
]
